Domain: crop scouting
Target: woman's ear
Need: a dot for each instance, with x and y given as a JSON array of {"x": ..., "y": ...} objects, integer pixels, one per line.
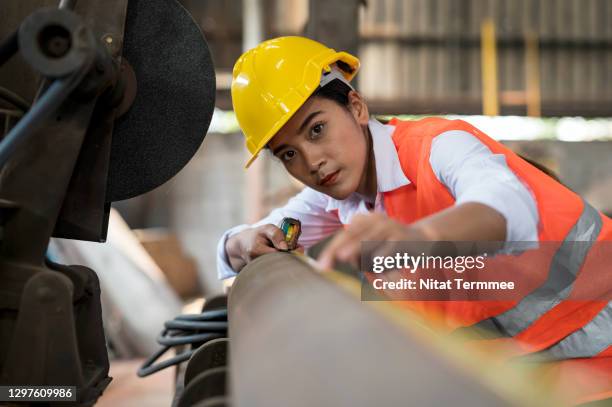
[{"x": 358, "y": 108}]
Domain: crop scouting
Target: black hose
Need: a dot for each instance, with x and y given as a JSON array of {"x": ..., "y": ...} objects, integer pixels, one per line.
[
  {"x": 186, "y": 329},
  {"x": 196, "y": 325},
  {"x": 168, "y": 340},
  {"x": 149, "y": 368},
  {"x": 205, "y": 316}
]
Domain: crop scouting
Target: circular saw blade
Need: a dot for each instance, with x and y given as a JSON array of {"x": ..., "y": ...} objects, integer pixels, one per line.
[{"x": 174, "y": 103}]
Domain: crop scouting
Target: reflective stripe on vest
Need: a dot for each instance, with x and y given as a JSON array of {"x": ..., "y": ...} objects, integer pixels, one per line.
[
  {"x": 564, "y": 268},
  {"x": 590, "y": 340}
]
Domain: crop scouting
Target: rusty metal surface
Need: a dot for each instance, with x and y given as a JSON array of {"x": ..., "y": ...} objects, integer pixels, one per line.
[{"x": 298, "y": 340}]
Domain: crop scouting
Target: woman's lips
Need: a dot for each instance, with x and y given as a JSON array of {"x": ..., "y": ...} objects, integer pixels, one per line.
[{"x": 329, "y": 179}]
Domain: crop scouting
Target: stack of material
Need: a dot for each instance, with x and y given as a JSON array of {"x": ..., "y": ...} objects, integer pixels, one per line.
[{"x": 179, "y": 268}]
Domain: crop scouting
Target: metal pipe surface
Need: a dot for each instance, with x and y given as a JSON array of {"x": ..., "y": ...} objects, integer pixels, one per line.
[{"x": 297, "y": 339}]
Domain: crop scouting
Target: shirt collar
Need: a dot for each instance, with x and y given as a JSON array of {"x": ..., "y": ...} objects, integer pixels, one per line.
[{"x": 389, "y": 173}]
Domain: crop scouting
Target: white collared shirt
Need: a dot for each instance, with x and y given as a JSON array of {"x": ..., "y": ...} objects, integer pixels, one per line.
[{"x": 467, "y": 167}]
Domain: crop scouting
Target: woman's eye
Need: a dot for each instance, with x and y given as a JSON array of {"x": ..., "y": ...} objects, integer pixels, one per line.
[
  {"x": 316, "y": 130},
  {"x": 287, "y": 155}
]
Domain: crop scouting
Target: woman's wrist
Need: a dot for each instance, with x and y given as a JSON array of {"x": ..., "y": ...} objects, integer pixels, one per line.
[{"x": 234, "y": 254}]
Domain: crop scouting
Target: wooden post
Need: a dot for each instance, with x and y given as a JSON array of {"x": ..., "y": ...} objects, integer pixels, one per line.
[
  {"x": 532, "y": 75},
  {"x": 335, "y": 24},
  {"x": 490, "y": 98}
]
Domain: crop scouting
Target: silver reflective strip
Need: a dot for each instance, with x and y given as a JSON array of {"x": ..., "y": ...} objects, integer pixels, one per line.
[
  {"x": 563, "y": 270},
  {"x": 590, "y": 340}
]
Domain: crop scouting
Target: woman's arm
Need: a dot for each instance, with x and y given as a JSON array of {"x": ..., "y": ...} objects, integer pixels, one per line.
[
  {"x": 465, "y": 222},
  {"x": 243, "y": 243},
  {"x": 471, "y": 221}
]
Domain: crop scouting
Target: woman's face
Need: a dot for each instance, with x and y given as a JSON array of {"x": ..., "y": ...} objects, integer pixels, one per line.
[{"x": 324, "y": 145}]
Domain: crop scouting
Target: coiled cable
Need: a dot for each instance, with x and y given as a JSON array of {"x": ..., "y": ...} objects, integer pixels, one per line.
[{"x": 186, "y": 329}]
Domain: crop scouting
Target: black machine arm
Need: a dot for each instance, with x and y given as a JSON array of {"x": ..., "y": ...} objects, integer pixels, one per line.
[
  {"x": 57, "y": 336},
  {"x": 77, "y": 147}
]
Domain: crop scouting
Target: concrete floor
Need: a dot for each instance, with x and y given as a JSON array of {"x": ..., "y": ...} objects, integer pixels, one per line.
[{"x": 129, "y": 390}]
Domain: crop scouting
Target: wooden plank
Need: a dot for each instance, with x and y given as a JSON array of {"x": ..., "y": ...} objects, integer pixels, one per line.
[
  {"x": 418, "y": 17},
  {"x": 564, "y": 84},
  {"x": 367, "y": 73},
  {"x": 608, "y": 73},
  {"x": 559, "y": 89},
  {"x": 518, "y": 69},
  {"x": 545, "y": 71},
  {"x": 392, "y": 64},
  {"x": 544, "y": 19},
  {"x": 602, "y": 22},
  {"x": 574, "y": 25},
  {"x": 475, "y": 73},
  {"x": 575, "y": 69},
  {"x": 593, "y": 84},
  {"x": 440, "y": 83},
  {"x": 474, "y": 17},
  {"x": 365, "y": 19},
  {"x": 533, "y": 88},
  {"x": 406, "y": 25},
  {"x": 423, "y": 70},
  {"x": 333, "y": 23},
  {"x": 398, "y": 10},
  {"x": 565, "y": 20},
  {"x": 405, "y": 73},
  {"x": 432, "y": 18},
  {"x": 608, "y": 18},
  {"x": 409, "y": 73},
  {"x": 532, "y": 8},
  {"x": 389, "y": 25},
  {"x": 591, "y": 10}
]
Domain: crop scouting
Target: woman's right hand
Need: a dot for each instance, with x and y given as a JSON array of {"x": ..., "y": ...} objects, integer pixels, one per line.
[{"x": 251, "y": 243}]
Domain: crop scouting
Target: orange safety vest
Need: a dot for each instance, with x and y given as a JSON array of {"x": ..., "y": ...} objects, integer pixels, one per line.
[{"x": 545, "y": 321}]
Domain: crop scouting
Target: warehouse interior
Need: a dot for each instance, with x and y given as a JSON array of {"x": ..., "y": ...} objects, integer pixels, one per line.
[{"x": 535, "y": 75}]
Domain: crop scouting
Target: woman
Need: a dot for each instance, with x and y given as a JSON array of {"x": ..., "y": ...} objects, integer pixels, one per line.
[{"x": 425, "y": 180}]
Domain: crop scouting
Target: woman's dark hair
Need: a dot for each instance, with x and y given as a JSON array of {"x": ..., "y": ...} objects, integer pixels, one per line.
[{"x": 335, "y": 90}]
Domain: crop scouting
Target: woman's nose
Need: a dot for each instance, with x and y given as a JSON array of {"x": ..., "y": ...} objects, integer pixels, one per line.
[{"x": 315, "y": 161}]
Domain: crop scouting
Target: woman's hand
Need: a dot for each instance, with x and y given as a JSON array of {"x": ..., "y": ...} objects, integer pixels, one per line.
[
  {"x": 470, "y": 221},
  {"x": 251, "y": 243},
  {"x": 373, "y": 227}
]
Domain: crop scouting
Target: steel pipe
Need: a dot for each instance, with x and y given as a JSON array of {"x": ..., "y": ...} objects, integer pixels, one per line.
[{"x": 298, "y": 339}]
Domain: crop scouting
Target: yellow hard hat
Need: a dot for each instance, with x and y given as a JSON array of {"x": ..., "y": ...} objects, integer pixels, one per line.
[{"x": 271, "y": 81}]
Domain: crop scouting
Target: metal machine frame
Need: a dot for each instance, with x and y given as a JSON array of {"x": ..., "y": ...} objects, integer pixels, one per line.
[{"x": 53, "y": 166}]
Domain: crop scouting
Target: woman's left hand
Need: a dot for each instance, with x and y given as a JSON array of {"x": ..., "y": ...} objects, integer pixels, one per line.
[{"x": 373, "y": 227}]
